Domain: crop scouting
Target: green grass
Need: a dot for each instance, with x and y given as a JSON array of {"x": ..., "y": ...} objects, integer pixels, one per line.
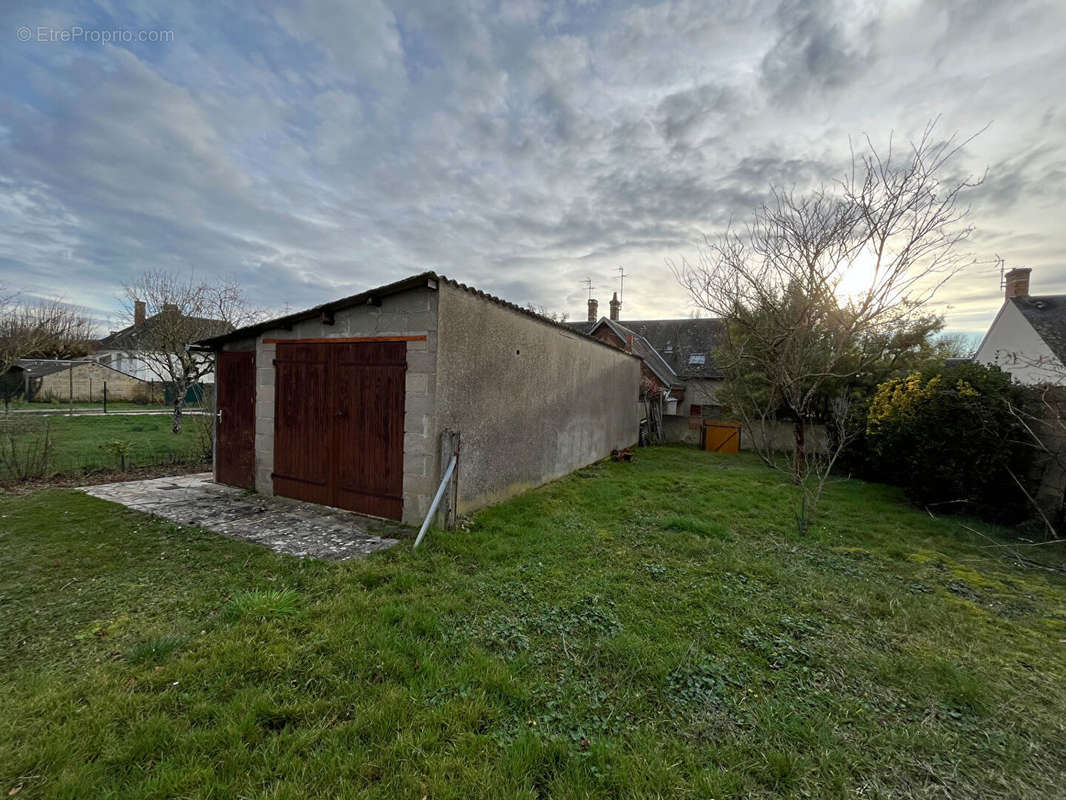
[
  {"x": 653, "y": 629},
  {"x": 60, "y": 407},
  {"x": 77, "y": 441}
]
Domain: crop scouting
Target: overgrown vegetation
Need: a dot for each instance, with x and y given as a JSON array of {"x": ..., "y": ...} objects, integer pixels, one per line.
[
  {"x": 824, "y": 283},
  {"x": 951, "y": 438},
  {"x": 45, "y": 446},
  {"x": 26, "y": 447},
  {"x": 654, "y": 629}
]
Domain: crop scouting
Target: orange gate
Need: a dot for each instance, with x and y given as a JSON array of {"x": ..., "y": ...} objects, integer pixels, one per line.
[{"x": 721, "y": 436}]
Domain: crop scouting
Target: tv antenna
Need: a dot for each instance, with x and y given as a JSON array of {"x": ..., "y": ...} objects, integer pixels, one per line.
[
  {"x": 621, "y": 282},
  {"x": 588, "y": 286}
]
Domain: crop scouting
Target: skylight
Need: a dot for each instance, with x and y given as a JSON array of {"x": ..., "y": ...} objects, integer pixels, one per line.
[{"x": 697, "y": 358}]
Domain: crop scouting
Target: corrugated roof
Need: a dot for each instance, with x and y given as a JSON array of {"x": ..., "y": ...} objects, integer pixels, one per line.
[{"x": 363, "y": 298}]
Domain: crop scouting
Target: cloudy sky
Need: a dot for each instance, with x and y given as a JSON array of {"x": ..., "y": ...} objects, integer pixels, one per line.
[{"x": 317, "y": 148}]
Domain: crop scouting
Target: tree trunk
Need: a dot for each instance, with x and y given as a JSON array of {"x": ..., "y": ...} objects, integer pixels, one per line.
[
  {"x": 799, "y": 457},
  {"x": 179, "y": 404}
]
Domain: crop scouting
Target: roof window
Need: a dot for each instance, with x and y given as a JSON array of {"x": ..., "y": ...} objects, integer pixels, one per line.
[{"x": 697, "y": 358}]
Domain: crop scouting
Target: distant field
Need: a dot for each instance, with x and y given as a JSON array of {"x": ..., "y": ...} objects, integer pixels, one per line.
[{"x": 78, "y": 442}]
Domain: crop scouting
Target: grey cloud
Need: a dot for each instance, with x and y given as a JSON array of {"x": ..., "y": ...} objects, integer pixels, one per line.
[
  {"x": 345, "y": 145},
  {"x": 815, "y": 51}
]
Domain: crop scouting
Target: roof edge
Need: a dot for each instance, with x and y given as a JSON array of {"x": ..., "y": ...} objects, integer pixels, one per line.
[{"x": 428, "y": 279}]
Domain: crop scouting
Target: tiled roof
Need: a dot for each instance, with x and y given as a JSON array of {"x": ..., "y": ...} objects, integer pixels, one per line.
[
  {"x": 677, "y": 341},
  {"x": 1047, "y": 314},
  {"x": 139, "y": 337}
]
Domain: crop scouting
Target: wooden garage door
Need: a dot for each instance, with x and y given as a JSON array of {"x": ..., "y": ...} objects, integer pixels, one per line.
[
  {"x": 339, "y": 414},
  {"x": 235, "y": 431}
]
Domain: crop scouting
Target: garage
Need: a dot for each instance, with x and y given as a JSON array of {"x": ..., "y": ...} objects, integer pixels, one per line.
[
  {"x": 339, "y": 423},
  {"x": 361, "y": 403}
]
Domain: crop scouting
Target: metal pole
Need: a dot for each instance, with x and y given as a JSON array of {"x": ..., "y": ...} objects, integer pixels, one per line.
[{"x": 436, "y": 500}]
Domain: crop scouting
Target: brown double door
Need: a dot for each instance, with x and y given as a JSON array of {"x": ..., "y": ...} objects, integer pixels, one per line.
[
  {"x": 338, "y": 424},
  {"x": 235, "y": 418}
]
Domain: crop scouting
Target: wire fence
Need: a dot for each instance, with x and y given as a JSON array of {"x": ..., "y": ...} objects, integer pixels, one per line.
[{"x": 34, "y": 448}]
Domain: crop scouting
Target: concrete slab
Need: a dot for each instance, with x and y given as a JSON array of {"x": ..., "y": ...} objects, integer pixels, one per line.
[{"x": 299, "y": 529}]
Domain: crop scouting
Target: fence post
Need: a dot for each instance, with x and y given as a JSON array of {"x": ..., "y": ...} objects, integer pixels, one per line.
[
  {"x": 105, "y": 397},
  {"x": 449, "y": 446}
]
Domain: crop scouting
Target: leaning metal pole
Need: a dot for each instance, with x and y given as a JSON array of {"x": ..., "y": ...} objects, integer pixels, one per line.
[{"x": 436, "y": 500}]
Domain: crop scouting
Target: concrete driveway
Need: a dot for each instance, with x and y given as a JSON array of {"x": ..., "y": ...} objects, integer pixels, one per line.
[{"x": 298, "y": 529}]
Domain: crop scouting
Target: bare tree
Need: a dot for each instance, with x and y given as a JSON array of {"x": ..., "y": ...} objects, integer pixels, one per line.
[
  {"x": 554, "y": 316},
  {"x": 40, "y": 329},
  {"x": 179, "y": 313},
  {"x": 889, "y": 232}
]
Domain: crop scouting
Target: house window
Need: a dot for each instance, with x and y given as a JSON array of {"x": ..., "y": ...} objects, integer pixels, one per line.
[
  {"x": 695, "y": 410},
  {"x": 668, "y": 349},
  {"x": 697, "y": 358}
]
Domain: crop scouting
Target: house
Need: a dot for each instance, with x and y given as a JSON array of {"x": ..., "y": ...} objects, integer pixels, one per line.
[
  {"x": 77, "y": 381},
  {"x": 129, "y": 350},
  {"x": 677, "y": 356},
  {"x": 1028, "y": 336},
  {"x": 355, "y": 403}
]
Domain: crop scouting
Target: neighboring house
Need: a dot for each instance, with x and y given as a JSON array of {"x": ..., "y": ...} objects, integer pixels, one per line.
[
  {"x": 78, "y": 381},
  {"x": 127, "y": 350},
  {"x": 1028, "y": 336},
  {"x": 353, "y": 403},
  {"x": 679, "y": 353}
]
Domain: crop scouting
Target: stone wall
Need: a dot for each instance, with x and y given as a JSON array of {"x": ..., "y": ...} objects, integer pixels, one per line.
[
  {"x": 411, "y": 313},
  {"x": 87, "y": 383},
  {"x": 531, "y": 401}
]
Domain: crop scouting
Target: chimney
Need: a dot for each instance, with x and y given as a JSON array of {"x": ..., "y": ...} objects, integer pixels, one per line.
[
  {"x": 170, "y": 308},
  {"x": 138, "y": 312},
  {"x": 1017, "y": 281},
  {"x": 616, "y": 305},
  {"x": 594, "y": 310}
]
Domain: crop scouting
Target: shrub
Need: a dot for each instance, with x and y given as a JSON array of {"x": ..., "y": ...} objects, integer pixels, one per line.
[
  {"x": 120, "y": 449},
  {"x": 25, "y": 448},
  {"x": 948, "y": 436}
]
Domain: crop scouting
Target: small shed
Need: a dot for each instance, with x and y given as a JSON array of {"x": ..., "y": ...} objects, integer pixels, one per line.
[{"x": 358, "y": 403}]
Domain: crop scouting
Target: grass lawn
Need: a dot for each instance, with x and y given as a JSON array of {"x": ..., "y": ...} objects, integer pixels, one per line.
[
  {"x": 77, "y": 440},
  {"x": 653, "y": 629},
  {"x": 61, "y": 408}
]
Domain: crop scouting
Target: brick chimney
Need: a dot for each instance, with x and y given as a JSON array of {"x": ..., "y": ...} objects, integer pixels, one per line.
[
  {"x": 594, "y": 310},
  {"x": 616, "y": 306},
  {"x": 1017, "y": 281},
  {"x": 138, "y": 312}
]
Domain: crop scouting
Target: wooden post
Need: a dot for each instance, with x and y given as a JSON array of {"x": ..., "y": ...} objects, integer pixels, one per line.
[
  {"x": 449, "y": 446},
  {"x": 105, "y": 397}
]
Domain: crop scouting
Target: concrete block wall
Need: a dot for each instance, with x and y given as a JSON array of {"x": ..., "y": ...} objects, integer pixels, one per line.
[
  {"x": 87, "y": 382},
  {"x": 411, "y": 313}
]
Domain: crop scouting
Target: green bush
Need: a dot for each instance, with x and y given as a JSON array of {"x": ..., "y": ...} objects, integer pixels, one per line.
[{"x": 949, "y": 437}]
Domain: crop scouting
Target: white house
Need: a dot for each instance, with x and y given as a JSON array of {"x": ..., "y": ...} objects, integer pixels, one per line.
[
  {"x": 130, "y": 350},
  {"x": 1028, "y": 336}
]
